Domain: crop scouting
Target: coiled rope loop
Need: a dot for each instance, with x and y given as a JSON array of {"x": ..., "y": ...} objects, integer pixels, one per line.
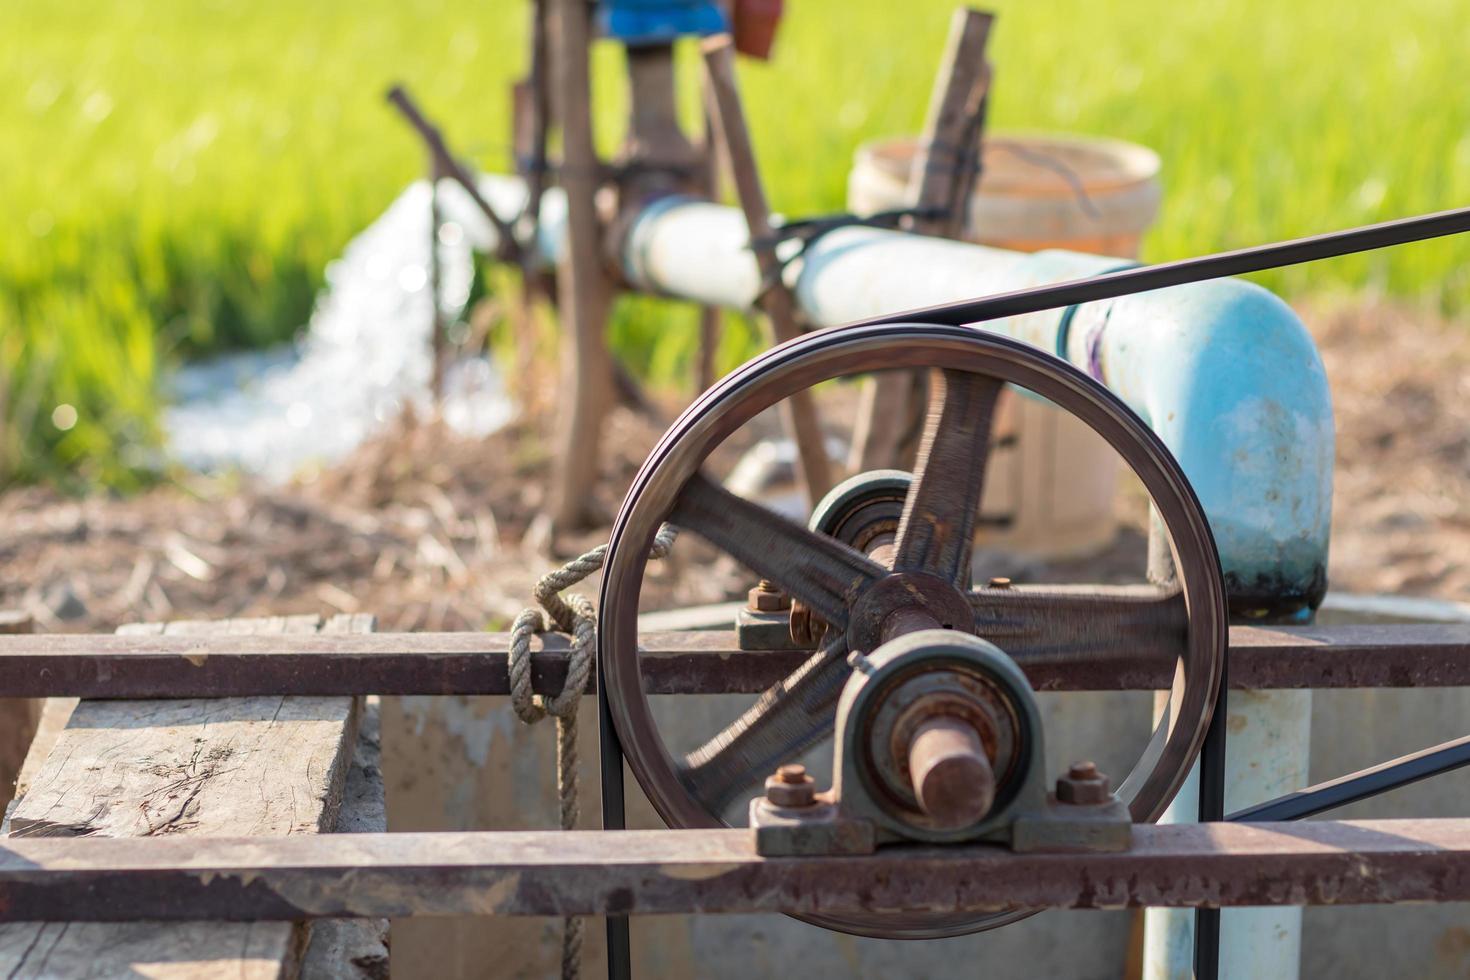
[{"x": 575, "y": 615}]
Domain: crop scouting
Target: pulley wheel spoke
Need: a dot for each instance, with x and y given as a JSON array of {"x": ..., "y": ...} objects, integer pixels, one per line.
[
  {"x": 821, "y": 571},
  {"x": 788, "y": 719},
  {"x": 938, "y": 522}
]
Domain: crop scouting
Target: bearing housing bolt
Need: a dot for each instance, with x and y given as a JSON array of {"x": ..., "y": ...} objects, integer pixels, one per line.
[
  {"x": 767, "y": 597},
  {"x": 1083, "y": 785},
  {"x": 791, "y": 787},
  {"x": 1000, "y": 582}
]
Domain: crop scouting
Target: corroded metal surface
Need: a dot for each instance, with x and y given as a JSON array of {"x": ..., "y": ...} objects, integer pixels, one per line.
[
  {"x": 830, "y": 577},
  {"x": 703, "y": 662},
  {"x": 864, "y": 602},
  {"x": 555, "y": 873},
  {"x": 938, "y": 523}
]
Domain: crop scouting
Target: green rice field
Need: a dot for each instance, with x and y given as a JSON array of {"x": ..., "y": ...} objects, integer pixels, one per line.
[{"x": 175, "y": 175}]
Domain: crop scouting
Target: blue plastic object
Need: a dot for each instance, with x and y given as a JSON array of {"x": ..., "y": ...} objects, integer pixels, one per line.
[{"x": 647, "y": 22}]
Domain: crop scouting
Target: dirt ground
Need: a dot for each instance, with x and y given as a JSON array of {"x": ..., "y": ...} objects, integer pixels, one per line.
[{"x": 426, "y": 529}]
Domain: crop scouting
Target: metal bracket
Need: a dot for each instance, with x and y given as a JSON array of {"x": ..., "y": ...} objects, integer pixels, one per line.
[
  {"x": 763, "y": 630},
  {"x": 1080, "y": 828},
  {"x": 806, "y": 831},
  {"x": 822, "y": 829}
]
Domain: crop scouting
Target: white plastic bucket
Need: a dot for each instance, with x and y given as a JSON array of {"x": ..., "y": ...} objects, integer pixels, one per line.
[
  {"x": 1056, "y": 480},
  {"x": 1035, "y": 191}
]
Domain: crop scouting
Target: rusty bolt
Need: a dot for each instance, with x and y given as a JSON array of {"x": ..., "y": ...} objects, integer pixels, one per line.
[
  {"x": 767, "y": 597},
  {"x": 791, "y": 786},
  {"x": 1000, "y": 582},
  {"x": 1083, "y": 785}
]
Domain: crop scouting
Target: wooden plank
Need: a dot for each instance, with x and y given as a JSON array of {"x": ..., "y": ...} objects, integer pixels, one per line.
[
  {"x": 54, "y": 715},
  {"x": 942, "y": 175},
  {"x": 267, "y": 765},
  {"x": 355, "y": 949},
  {"x": 657, "y": 872}
]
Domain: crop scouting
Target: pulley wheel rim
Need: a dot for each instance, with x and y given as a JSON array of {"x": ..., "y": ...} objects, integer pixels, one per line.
[{"x": 843, "y": 351}]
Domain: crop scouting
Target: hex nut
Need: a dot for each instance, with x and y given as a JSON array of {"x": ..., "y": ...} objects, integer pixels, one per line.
[
  {"x": 767, "y": 597},
  {"x": 791, "y": 787},
  {"x": 1083, "y": 785}
]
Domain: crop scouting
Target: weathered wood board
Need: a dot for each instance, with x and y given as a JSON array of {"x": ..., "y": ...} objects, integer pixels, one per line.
[
  {"x": 18, "y": 716},
  {"x": 266, "y": 766}
]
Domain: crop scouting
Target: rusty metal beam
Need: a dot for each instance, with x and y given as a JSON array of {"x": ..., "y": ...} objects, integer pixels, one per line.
[
  {"x": 73, "y": 665},
  {"x": 554, "y": 873}
]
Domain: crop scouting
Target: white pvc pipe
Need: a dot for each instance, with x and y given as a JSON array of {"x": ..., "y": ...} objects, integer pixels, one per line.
[{"x": 1268, "y": 750}]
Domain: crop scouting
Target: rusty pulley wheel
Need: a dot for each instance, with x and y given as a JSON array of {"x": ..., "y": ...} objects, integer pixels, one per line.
[{"x": 1185, "y": 620}]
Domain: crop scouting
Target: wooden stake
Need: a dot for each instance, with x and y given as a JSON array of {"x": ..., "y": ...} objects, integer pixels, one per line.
[
  {"x": 711, "y": 318},
  {"x": 584, "y": 295},
  {"x": 937, "y": 177},
  {"x": 438, "y": 339},
  {"x": 943, "y": 176},
  {"x": 799, "y": 412}
]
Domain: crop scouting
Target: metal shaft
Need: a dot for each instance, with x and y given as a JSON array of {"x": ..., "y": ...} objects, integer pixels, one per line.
[{"x": 952, "y": 776}]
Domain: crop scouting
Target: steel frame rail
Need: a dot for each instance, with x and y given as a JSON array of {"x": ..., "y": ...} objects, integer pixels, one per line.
[
  {"x": 113, "y": 666},
  {"x": 560, "y": 873}
]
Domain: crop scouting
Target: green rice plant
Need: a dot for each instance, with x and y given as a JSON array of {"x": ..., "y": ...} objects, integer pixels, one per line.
[{"x": 176, "y": 175}]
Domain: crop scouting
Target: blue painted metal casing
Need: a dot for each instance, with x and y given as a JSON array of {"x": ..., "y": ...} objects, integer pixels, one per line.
[
  {"x": 1230, "y": 379},
  {"x": 648, "y": 22}
]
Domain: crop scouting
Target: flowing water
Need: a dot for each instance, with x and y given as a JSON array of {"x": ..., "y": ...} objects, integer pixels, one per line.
[{"x": 364, "y": 357}]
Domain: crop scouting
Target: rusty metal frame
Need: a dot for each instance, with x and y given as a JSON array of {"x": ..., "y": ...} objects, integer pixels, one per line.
[
  {"x": 558, "y": 873},
  {"x": 699, "y": 662},
  {"x": 619, "y": 873}
]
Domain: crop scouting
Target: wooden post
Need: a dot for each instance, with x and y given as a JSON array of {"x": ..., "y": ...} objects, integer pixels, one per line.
[
  {"x": 799, "y": 412},
  {"x": 18, "y": 716},
  {"x": 711, "y": 324},
  {"x": 945, "y": 168},
  {"x": 886, "y": 434},
  {"x": 438, "y": 338},
  {"x": 938, "y": 178},
  {"x": 711, "y": 318},
  {"x": 582, "y": 288}
]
